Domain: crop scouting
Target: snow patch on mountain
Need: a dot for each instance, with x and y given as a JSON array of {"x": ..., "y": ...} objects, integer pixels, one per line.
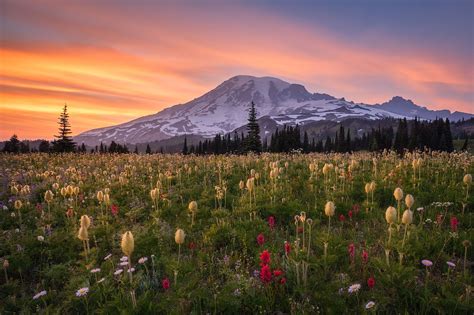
[{"x": 225, "y": 108}]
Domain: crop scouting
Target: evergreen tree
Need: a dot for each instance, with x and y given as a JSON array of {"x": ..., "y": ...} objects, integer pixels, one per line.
[
  {"x": 44, "y": 146},
  {"x": 25, "y": 147},
  {"x": 185, "y": 146},
  {"x": 348, "y": 140},
  {"x": 148, "y": 149},
  {"x": 306, "y": 142},
  {"x": 136, "y": 149},
  {"x": 253, "y": 142},
  {"x": 64, "y": 142},
  {"x": 448, "y": 136},
  {"x": 464, "y": 146},
  {"x": 12, "y": 145}
]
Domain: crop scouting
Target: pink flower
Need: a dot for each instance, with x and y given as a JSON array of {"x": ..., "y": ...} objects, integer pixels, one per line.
[
  {"x": 271, "y": 222},
  {"x": 260, "y": 239},
  {"x": 454, "y": 224}
]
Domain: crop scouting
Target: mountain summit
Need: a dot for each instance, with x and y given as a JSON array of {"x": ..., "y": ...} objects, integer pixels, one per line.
[{"x": 224, "y": 109}]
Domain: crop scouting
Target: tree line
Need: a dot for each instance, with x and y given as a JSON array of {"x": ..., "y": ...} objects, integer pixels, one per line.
[{"x": 420, "y": 135}]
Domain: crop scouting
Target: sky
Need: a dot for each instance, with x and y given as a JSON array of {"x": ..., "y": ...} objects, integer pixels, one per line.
[{"x": 112, "y": 60}]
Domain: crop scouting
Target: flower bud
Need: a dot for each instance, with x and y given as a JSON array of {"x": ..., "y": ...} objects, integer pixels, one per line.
[
  {"x": 391, "y": 215},
  {"x": 48, "y": 196},
  {"x": 85, "y": 221},
  {"x": 179, "y": 236},
  {"x": 407, "y": 217},
  {"x": 83, "y": 234},
  {"x": 128, "y": 244},
  {"x": 398, "y": 194},
  {"x": 192, "y": 206},
  {"x": 467, "y": 179},
  {"x": 409, "y": 201},
  {"x": 329, "y": 208}
]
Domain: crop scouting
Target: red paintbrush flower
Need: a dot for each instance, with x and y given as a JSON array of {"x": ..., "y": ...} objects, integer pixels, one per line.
[
  {"x": 271, "y": 222},
  {"x": 371, "y": 282},
  {"x": 265, "y": 274},
  {"x": 260, "y": 239},
  {"x": 351, "y": 250},
  {"x": 342, "y": 218},
  {"x": 264, "y": 258},
  {"x": 454, "y": 224},
  {"x": 365, "y": 256},
  {"x": 114, "y": 209},
  {"x": 165, "y": 283},
  {"x": 287, "y": 247}
]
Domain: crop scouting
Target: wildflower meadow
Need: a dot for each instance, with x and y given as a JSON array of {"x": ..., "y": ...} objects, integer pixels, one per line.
[{"x": 250, "y": 234}]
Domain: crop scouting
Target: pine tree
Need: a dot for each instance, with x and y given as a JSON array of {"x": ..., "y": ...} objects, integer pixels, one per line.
[
  {"x": 64, "y": 142},
  {"x": 44, "y": 146},
  {"x": 12, "y": 145},
  {"x": 185, "y": 146},
  {"x": 448, "y": 136},
  {"x": 464, "y": 146},
  {"x": 148, "y": 149},
  {"x": 253, "y": 142},
  {"x": 306, "y": 143}
]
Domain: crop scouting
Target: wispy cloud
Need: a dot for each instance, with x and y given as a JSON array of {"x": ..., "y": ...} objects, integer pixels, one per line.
[{"x": 111, "y": 63}]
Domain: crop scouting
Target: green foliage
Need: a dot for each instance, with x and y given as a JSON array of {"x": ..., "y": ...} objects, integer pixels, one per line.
[{"x": 219, "y": 264}]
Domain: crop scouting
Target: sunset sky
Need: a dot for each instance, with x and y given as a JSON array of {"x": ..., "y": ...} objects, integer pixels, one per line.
[{"x": 112, "y": 61}]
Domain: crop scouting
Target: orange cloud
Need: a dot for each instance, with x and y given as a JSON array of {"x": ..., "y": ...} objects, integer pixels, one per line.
[{"x": 113, "y": 65}]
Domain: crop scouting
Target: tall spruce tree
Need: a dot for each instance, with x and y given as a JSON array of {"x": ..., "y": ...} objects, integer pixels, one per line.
[
  {"x": 185, "y": 146},
  {"x": 64, "y": 142},
  {"x": 12, "y": 145},
  {"x": 253, "y": 142}
]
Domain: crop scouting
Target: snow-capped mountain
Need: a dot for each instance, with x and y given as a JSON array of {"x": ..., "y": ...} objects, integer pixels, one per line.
[
  {"x": 224, "y": 109},
  {"x": 405, "y": 107}
]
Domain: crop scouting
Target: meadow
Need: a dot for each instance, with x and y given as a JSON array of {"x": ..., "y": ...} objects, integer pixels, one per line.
[{"x": 274, "y": 233}]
